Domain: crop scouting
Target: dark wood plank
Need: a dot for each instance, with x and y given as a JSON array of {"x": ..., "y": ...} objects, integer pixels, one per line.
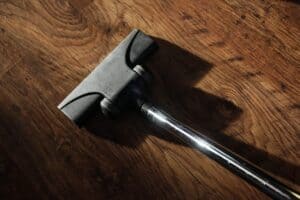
[{"x": 230, "y": 67}]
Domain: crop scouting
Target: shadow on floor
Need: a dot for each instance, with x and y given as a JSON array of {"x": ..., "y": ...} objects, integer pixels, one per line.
[
  {"x": 294, "y": 1},
  {"x": 175, "y": 72}
]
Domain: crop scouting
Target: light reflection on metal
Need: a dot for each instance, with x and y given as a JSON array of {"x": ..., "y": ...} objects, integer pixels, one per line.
[{"x": 219, "y": 153}]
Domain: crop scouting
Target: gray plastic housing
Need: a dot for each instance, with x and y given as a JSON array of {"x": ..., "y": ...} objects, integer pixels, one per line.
[{"x": 105, "y": 84}]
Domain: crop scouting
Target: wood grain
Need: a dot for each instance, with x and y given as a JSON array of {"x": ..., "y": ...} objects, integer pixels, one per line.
[{"x": 230, "y": 67}]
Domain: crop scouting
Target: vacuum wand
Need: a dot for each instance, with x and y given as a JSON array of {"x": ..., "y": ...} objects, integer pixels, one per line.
[
  {"x": 225, "y": 157},
  {"x": 120, "y": 83}
]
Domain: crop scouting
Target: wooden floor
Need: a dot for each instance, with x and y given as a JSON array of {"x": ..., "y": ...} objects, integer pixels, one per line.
[{"x": 230, "y": 67}]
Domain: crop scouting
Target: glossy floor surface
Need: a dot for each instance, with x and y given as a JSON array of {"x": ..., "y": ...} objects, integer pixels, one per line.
[{"x": 229, "y": 67}]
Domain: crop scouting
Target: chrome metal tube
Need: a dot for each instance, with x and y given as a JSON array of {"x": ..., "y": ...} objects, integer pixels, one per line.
[{"x": 228, "y": 159}]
